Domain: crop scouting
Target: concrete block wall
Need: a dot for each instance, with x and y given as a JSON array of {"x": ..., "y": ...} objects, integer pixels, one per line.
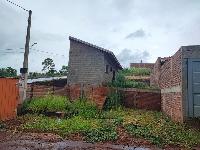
[{"x": 86, "y": 64}]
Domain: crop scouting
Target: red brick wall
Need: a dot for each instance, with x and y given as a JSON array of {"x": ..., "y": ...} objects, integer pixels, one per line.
[
  {"x": 169, "y": 78},
  {"x": 97, "y": 94},
  {"x": 142, "y": 99},
  {"x": 154, "y": 77},
  {"x": 39, "y": 89}
]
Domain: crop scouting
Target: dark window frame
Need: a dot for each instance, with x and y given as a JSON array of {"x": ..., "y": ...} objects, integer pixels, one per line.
[{"x": 106, "y": 69}]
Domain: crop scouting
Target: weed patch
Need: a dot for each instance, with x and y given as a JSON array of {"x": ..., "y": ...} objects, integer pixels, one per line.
[
  {"x": 45, "y": 104},
  {"x": 96, "y": 125}
]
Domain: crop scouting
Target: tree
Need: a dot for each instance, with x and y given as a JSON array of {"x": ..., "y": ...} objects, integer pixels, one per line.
[
  {"x": 64, "y": 70},
  {"x": 48, "y": 66},
  {"x": 8, "y": 72}
]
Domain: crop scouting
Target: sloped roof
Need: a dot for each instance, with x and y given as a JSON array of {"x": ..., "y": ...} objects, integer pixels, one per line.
[{"x": 109, "y": 53}]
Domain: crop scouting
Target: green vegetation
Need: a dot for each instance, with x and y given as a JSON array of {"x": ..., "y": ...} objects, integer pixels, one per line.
[
  {"x": 113, "y": 101},
  {"x": 95, "y": 125},
  {"x": 2, "y": 125},
  {"x": 45, "y": 104},
  {"x": 8, "y": 72},
  {"x": 51, "y": 103},
  {"x": 160, "y": 130},
  {"x": 122, "y": 82},
  {"x": 49, "y": 70},
  {"x": 136, "y": 72}
]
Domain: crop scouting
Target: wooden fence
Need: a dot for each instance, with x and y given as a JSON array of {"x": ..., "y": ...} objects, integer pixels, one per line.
[{"x": 9, "y": 97}]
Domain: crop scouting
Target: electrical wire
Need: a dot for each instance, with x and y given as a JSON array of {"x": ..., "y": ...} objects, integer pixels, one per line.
[
  {"x": 17, "y": 5},
  {"x": 11, "y": 51}
]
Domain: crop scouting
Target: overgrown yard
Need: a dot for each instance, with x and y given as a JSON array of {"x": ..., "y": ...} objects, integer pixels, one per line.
[{"x": 82, "y": 118}]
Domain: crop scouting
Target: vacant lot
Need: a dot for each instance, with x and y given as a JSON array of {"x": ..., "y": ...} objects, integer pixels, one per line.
[{"x": 82, "y": 121}]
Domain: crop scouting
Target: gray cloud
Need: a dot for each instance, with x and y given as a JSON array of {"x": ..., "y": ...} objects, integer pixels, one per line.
[
  {"x": 127, "y": 56},
  {"x": 137, "y": 34},
  {"x": 124, "y": 6},
  {"x": 103, "y": 23}
]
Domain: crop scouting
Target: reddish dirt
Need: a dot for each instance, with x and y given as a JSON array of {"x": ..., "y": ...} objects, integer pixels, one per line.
[{"x": 12, "y": 134}]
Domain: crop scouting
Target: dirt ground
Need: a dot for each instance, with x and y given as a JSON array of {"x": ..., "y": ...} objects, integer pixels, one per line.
[{"x": 11, "y": 140}]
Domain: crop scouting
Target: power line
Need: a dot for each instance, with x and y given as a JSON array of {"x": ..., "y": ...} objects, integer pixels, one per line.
[
  {"x": 17, "y": 5},
  {"x": 12, "y": 50}
]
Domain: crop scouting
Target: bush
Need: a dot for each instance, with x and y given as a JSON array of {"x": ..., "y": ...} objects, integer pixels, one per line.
[
  {"x": 42, "y": 105},
  {"x": 113, "y": 101}
]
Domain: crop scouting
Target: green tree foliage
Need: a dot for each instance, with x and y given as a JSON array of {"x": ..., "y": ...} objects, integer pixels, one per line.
[
  {"x": 50, "y": 71},
  {"x": 8, "y": 72},
  {"x": 48, "y": 66},
  {"x": 63, "y": 70}
]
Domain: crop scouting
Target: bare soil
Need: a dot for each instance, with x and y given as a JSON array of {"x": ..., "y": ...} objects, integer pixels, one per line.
[{"x": 13, "y": 139}]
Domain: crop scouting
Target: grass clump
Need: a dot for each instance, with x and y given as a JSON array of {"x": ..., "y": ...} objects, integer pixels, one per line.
[
  {"x": 84, "y": 108},
  {"x": 50, "y": 103},
  {"x": 113, "y": 101},
  {"x": 63, "y": 127},
  {"x": 45, "y": 104}
]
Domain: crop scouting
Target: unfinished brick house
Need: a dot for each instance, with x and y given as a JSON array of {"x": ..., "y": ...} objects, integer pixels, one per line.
[
  {"x": 90, "y": 64},
  {"x": 178, "y": 77}
]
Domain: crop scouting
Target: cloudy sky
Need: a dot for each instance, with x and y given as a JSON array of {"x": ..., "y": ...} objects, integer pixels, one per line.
[{"x": 132, "y": 29}]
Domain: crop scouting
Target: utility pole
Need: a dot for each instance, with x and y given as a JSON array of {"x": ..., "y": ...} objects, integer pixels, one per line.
[{"x": 24, "y": 70}]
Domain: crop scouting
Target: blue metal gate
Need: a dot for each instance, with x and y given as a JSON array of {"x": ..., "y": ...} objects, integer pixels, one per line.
[{"x": 194, "y": 87}]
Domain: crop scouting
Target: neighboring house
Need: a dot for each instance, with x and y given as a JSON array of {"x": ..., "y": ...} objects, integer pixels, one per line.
[
  {"x": 142, "y": 65},
  {"x": 90, "y": 64}
]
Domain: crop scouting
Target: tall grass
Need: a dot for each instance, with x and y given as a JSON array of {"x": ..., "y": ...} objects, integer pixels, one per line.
[{"x": 136, "y": 71}]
